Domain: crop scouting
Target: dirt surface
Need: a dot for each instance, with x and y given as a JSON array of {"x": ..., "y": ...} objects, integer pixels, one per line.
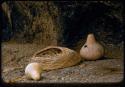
[{"x": 16, "y": 56}]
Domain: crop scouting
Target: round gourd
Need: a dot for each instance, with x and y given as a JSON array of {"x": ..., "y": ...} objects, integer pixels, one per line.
[{"x": 33, "y": 71}]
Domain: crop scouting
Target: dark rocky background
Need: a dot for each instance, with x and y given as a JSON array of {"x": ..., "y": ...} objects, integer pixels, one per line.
[{"x": 71, "y": 21}]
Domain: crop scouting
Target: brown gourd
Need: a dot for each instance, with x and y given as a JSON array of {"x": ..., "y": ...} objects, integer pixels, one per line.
[{"x": 91, "y": 50}]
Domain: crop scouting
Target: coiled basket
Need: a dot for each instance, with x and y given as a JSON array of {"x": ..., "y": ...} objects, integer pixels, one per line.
[{"x": 55, "y": 57}]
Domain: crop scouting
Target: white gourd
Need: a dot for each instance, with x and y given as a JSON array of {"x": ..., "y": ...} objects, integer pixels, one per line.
[{"x": 33, "y": 71}]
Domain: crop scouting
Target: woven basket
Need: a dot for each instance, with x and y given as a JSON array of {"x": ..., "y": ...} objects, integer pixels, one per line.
[{"x": 54, "y": 57}]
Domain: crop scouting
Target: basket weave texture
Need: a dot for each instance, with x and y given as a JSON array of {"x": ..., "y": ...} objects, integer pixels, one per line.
[{"x": 55, "y": 57}]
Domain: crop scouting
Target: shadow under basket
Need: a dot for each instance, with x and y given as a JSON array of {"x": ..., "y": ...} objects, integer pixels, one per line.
[{"x": 55, "y": 57}]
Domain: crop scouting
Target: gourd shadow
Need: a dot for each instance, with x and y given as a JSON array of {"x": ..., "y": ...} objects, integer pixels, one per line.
[{"x": 104, "y": 58}]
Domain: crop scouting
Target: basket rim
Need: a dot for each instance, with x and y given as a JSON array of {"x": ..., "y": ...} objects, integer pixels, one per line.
[{"x": 49, "y": 47}]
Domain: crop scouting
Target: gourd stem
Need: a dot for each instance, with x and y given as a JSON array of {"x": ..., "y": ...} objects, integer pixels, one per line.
[{"x": 91, "y": 39}]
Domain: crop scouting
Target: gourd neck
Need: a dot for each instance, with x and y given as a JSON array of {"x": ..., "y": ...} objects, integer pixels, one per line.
[{"x": 91, "y": 39}]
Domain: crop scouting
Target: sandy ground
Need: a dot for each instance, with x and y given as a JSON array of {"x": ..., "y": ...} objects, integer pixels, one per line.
[{"x": 16, "y": 56}]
